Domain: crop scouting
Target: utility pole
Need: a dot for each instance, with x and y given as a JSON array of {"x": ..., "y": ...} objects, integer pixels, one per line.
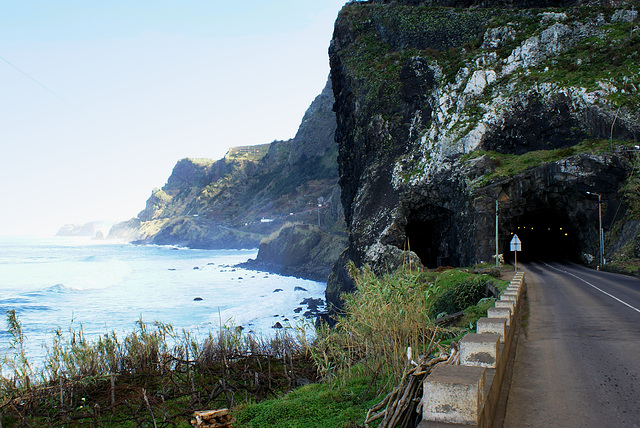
[
  {"x": 497, "y": 264},
  {"x": 502, "y": 197},
  {"x": 600, "y": 232}
]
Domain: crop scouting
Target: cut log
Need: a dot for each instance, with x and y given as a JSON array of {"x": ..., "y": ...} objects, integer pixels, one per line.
[
  {"x": 213, "y": 419},
  {"x": 208, "y": 414}
]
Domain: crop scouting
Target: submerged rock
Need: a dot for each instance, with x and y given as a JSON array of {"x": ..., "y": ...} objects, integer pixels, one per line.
[{"x": 312, "y": 303}]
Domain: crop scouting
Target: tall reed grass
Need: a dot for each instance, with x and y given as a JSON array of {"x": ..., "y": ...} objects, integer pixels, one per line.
[
  {"x": 383, "y": 317},
  {"x": 151, "y": 373},
  {"x": 157, "y": 373}
]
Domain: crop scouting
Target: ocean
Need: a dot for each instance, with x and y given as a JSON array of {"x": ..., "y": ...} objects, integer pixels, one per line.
[{"x": 102, "y": 286}]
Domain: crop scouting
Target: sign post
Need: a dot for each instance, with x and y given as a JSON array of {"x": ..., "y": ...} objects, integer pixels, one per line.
[{"x": 516, "y": 246}]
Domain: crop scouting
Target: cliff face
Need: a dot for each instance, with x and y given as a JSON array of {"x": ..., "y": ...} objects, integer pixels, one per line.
[
  {"x": 442, "y": 111},
  {"x": 237, "y": 201},
  {"x": 301, "y": 250},
  {"x": 95, "y": 229}
]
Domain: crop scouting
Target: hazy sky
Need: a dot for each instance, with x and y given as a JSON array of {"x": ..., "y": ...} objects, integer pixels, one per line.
[{"x": 100, "y": 99}]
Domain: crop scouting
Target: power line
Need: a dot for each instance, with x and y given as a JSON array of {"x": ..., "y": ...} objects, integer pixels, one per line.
[{"x": 39, "y": 84}]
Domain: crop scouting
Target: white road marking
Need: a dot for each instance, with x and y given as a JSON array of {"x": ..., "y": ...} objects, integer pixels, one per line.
[{"x": 599, "y": 289}]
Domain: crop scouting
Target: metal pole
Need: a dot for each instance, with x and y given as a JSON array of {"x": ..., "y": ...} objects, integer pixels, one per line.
[
  {"x": 515, "y": 254},
  {"x": 496, "y": 233},
  {"x": 600, "y": 226},
  {"x": 600, "y": 231}
]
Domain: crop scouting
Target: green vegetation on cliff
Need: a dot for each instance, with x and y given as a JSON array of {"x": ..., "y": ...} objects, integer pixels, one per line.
[
  {"x": 238, "y": 200},
  {"x": 384, "y": 35},
  {"x": 508, "y": 165},
  {"x": 442, "y": 110}
]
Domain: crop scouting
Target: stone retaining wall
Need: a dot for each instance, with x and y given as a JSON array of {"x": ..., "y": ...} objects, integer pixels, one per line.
[{"x": 468, "y": 394}]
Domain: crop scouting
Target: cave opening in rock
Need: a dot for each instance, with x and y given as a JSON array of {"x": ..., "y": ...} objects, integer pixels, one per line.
[
  {"x": 431, "y": 238},
  {"x": 545, "y": 235}
]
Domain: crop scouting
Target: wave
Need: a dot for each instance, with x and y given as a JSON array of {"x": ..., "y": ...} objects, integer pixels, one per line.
[
  {"x": 20, "y": 309},
  {"x": 14, "y": 300},
  {"x": 54, "y": 289},
  {"x": 22, "y": 304},
  {"x": 93, "y": 273},
  {"x": 58, "y": 288}
]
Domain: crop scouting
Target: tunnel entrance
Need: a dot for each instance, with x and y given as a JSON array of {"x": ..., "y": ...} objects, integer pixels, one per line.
[
  {"x": 432, "y": 239},
  {"x": 545, "y": 235}
]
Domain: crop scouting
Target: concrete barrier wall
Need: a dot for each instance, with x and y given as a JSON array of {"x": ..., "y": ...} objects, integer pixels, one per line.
[{"x": 457, "y": 395}]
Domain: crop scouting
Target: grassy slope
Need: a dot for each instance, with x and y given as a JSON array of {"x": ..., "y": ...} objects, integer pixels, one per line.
[{"x": 383, "y": 316}]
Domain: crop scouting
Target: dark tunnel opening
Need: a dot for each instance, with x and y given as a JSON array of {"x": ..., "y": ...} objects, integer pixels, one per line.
[
  {"x": 545, "y": 235},
  {"x": 432, "y": 240}
]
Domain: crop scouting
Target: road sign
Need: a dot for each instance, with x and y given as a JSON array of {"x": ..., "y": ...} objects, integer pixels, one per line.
[{"x": 515, "y": 244}]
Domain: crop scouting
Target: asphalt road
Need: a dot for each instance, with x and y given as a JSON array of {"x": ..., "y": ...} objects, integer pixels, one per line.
[{"x": 577, "y": 361}]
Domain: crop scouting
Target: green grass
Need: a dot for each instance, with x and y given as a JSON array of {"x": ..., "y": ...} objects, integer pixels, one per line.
[
  {"x": 627, "y": 267},
  {"x": 473, "y": 313},
  {"x": 381, "y": 46},
  {"x": 362, "y": 356},
  {"x": 613, "y": 58},
  {"x": 247, "y": 153},
  {"x": 508, "y": 165},
  {"x": 631, "y": 192},
  {"x": 457, "y": 290},
  {"x": 317, "y": 405}
]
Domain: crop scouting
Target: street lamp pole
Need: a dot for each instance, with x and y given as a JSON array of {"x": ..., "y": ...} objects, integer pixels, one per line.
[
  {"x": 497, "y": 265},
  {"x": 600, "y": 233}
]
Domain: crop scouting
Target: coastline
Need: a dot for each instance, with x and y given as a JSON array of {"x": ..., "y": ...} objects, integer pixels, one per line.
[{"x": 66, "y": 284}]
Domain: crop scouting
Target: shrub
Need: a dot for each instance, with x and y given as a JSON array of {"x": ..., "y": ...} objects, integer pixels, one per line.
[{"x": 458, "y": 290}]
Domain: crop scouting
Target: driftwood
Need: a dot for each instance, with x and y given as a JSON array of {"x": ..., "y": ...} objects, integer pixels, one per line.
[
  {"x": 449, "y": 319},
  {"x": 401, "y": 407},
  {"x": 213, "y": 419}
]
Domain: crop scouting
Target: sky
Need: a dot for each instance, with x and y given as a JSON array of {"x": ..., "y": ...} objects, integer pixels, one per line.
[{"x": 99, "y": 100}]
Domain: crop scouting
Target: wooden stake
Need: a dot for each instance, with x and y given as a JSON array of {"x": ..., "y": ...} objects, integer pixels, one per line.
[{"x": 113, "y": 389}]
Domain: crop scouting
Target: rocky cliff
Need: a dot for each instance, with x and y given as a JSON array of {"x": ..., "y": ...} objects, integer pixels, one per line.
[
  {"x": 301, "y": 250},
  {"x": 237, "y": 201},
  {"x": 94, "y": 229},
  {"x": 447, "y": 113}
]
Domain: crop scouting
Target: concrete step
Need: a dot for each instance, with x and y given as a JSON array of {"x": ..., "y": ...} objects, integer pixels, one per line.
[
  {"x": 480, "y": 349},
  {"x": 467, "y": 394},
  {"x": 511, "y": 304},
  {"x": 453, "y": 394},
  {"x": 504, "y": 312},
  {"x": 492, "y": 325}
]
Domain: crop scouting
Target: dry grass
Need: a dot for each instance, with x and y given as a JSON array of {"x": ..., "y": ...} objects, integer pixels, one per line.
[
  {"x": 153, "y": 372},
  {"x": 382, "y": 318}
]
